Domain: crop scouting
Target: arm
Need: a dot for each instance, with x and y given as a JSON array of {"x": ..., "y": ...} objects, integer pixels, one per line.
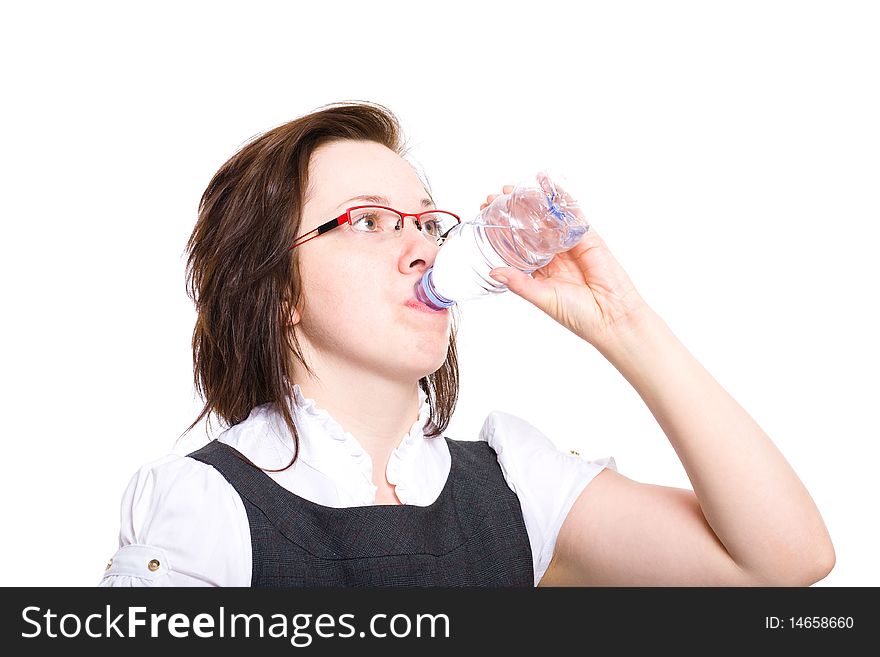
[{"x": 748, "y": 521}]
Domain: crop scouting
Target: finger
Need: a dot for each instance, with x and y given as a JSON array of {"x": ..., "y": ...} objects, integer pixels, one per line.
[{"x": 491, "y": 197}]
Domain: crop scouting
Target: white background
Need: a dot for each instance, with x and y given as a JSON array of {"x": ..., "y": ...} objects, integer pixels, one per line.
[{"x": 729, "y": 153}]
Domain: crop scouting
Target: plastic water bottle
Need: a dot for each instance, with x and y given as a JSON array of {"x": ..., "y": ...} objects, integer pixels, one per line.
[{"x": 523, "y": 229}]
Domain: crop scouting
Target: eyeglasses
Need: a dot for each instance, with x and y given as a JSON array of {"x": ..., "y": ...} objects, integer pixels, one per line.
[{"x": 381, "y": 222}]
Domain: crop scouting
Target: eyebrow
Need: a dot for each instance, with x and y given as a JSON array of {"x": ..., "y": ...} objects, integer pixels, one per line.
[{"x": 381, "y": 200}]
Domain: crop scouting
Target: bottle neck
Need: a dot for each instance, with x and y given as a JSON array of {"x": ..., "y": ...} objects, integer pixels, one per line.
[{"x": 426, "y": 293}]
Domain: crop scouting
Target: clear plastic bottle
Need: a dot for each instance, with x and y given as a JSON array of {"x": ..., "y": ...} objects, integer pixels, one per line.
[{"x": 523, "y": 229}]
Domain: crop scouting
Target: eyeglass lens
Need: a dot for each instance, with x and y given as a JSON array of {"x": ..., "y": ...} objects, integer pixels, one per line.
[{"x": 387, "y": 222}]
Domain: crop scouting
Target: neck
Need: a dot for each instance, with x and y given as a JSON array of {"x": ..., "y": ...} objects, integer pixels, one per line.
[{"x": 377, "y": 411}]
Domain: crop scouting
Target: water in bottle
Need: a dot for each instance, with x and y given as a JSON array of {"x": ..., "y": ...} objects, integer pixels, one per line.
[{"x": 523, "y": 229}]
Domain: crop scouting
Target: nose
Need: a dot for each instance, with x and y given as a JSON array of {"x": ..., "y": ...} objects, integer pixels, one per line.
[{"x": 418, "y": 250}]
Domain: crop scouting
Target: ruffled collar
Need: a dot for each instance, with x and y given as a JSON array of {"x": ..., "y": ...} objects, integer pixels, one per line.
[{"x": 320, "y": 433}]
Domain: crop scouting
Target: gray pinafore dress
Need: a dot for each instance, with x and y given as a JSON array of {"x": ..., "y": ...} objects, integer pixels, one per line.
[{"x": 472, "y": 535}]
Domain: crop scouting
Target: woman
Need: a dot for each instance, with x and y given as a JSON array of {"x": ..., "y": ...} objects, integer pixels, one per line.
[{"x": 337, "y": 386}]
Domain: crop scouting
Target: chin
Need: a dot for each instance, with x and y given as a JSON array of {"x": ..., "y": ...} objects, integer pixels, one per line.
[
  {"x": 423, "y": 364},
  {"x": 429, "y": 352}
]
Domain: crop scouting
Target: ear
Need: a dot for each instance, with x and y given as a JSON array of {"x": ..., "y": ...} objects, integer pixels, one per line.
[
  {"x": 295, "y": 317},
  {"x": 292, "y": 317}
]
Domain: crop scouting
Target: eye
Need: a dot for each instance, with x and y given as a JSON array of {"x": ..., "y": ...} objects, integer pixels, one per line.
[
  {"x": 432, "y": 227},
  {"x": 366, "y": 221}
]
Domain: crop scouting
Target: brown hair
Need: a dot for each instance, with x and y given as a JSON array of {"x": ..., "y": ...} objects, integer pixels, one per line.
[{"x": 243, "y": 279}]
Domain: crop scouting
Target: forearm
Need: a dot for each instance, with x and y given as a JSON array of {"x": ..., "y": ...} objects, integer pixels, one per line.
[{"x": 749, "y": 494}]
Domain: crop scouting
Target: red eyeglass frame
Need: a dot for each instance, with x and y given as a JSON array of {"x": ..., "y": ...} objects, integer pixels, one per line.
[{"x": 345, "y": 218}]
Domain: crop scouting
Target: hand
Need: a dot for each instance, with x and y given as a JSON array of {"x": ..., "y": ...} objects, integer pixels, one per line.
[{"x": 584, "y": 288}]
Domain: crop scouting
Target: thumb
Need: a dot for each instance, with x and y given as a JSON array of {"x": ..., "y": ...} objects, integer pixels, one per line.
[{"x": 524, "y": 285}]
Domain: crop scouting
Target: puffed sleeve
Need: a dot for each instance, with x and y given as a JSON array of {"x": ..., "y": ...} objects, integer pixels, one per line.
[
  {"x": 546, "y": 479},
  {"x": 182, "y": 524}
]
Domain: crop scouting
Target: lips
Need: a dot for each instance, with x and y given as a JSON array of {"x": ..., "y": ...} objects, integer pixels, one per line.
[{"x": 415, "y": 304}]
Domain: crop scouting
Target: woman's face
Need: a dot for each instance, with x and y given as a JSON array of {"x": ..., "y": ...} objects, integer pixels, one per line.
[{"x": 354, "y": 312}]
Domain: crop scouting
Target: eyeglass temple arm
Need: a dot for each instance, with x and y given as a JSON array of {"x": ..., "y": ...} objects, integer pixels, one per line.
[{"x": 323, "y": 228}]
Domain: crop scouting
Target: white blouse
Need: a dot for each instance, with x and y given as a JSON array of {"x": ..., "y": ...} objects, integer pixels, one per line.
[{"x": 183, "y": 524}]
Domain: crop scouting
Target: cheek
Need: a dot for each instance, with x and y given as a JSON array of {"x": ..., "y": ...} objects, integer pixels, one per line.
[{"x": 341, "y": 296}]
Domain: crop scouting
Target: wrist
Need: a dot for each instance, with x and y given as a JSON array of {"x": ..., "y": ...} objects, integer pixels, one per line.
[{"x": 630, "y": 334}]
